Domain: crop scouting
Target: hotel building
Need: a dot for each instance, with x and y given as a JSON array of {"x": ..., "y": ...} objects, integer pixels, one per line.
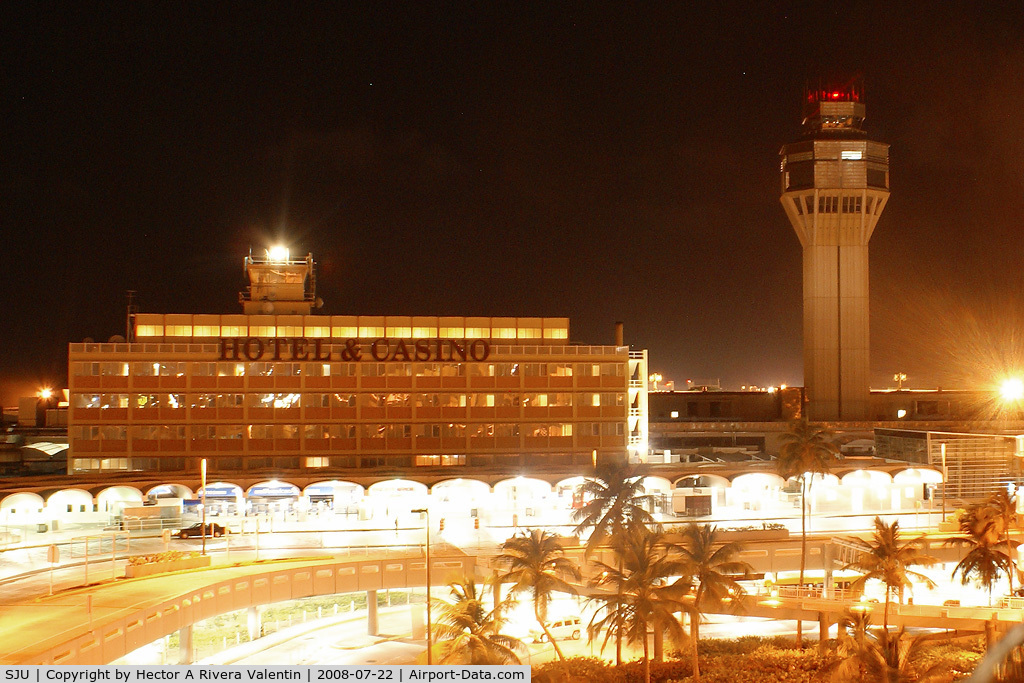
[{"x": 279, "y": 389}]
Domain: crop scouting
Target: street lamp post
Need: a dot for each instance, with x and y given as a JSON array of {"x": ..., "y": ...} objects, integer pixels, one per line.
[
  {"x": 202, "y": 477},
  {"x": 945, "y": 479},
  {"x": 430, "y": 654}
]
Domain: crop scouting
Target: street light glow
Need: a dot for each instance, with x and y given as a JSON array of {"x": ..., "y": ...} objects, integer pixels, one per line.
[
  {"x": 1012, "y": 389},
  {"x": 45, "y": 393},
  {"x": 278, "y": 252}
]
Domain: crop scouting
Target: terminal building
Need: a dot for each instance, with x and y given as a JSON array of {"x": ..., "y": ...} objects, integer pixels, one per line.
[{"x": 280, "y": 390}]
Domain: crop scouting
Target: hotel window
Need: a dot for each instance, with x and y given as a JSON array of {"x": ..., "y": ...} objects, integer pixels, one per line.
[
  {"x": 398, "y": 431},
  {"x": 87, "y": 401},
  {"x": 260, "y": 369},
  {"x": 560, "y": 369},
  {"x": 453, "y": 430},
  {"x": 453, "y": 332},
  {"x": 195, "y": 432},
  {"x": 113, "y": 400},
  {"x": 556, "y": 333},
  {"x": 370, "y": 332},
  {"x": 178, "y": 331},
  {"x": 113, "y": 369},
  {"x": 343, "y": 400},
  {"x": 114, "y": 433},
  {"x": 343, "y": 369},
  {"x": 398, "y": 369},
  {"x": 204, "y": 369},
  {"x": 535, "y": 400},
  {"x": 452, "y": 400},
  {"x": 230, "y": 400},
  {"x": 612, "y": 429},
  {"x": 318, "y": 331},
  {"x": 234, "y": 330},
  {"x": 481, "y": 400},
  {"x": 372, "y": 369},
  {"x": 426, "y": 369},
  {"x": 453, "y": 370},
  {"x": 530, "y": 333},
  {"x": 428, "y": 431},
  {"x": 149, "y": 330},
  {"x": 205, "y": 401},
  {"x": 398, "y": 332},
  {"x": 318, "y": 461},
  {"x": 506, "y": 430},
  {"x": 262, "y": 330},
  {"x": 503, "y": 333},
  {"x": 171, "y": 369},
  {"x": 426, "y": 400},
  {"x": 424, "y": 332},
  {"x": 674, "y": 414},
  {"x": 535, "y": 369},
  {"x": 481, "y": 369},
  {"x": 206, "y": 331},
  {"x": 85, "y": 369},
  {"x": 613, "y": 370},
  {"x": 230, "y": 370},
  {"x": 851, "y": 155},
  {"x": 315, "y": 401},
  {"x": 85, "y": 432},
  {"x": 478, "y": 332},
  {"x": 563, "y": 429},
  {"x": 344, "y": 332},
  {"x": 289, "y": 330}
]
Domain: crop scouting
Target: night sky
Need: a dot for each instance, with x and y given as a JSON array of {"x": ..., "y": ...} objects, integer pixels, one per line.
[{"x": 589, "y": 160}]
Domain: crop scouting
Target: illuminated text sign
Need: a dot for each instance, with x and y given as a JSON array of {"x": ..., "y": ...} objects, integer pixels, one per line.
[{"x": 324, "y": 350}]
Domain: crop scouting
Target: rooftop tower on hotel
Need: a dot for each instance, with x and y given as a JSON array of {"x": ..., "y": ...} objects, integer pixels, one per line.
[{"x": 835, "y": 184}]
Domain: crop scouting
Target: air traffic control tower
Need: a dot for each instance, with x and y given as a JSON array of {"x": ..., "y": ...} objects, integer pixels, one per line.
[{"x": 835, "y": 184}]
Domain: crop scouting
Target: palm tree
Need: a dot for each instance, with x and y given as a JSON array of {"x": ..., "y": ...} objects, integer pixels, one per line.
[
  {"x": 537, "y": 564},
  {"x": 888, "y": 559},
  {"x": 986, "y": 558},
  {"x": 806, "y": 450},
  {"x": 468, "y": 633},
  {"x": 1004, "y": 504},
  {"x": 882, "y": 657},
  {"x": 707, "y": 573},
  {"x": 614, "y": 502},
  {"x": 640, "y": 597}
]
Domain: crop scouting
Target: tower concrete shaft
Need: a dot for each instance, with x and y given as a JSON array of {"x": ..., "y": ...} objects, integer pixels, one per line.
[{"x": 835, "y": 184}]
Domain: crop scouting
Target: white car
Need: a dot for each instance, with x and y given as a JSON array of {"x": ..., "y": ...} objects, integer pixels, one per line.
[{"x": 565, "y": 628}]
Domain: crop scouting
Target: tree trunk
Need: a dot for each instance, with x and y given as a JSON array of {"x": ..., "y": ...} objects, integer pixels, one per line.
[
  {"x": 618, "y": 624},
  {"x": 547, "y": 633},
  {"x": 885, "y": 612},
  {"x": 694, "y": 636},
  {"x": 647, "y": 659},
  {"x": 659, "y": 643},
  {"x": 803, "y": 549}
]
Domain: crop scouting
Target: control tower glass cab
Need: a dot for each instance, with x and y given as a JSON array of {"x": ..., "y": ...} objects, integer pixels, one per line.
[
  {"x": 279, "y": 284},
  {"x": 835, "y": 184}
]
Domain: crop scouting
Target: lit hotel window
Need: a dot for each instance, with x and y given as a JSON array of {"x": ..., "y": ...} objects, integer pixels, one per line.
[
  {"x": 477, "y": 332},
  {"x": 371, "y": 332},
  {"x": 149, "y": 331},
  {"x": 399, "y": 332},
  {"x": 317, "y": 331},
  {"x": 179, "y": 331},
  {"x": 234, "y": 330},
  {"x": 674, "y": 414},
  {"x": 424, "y": 332},
  {"x": 344, "y": 332},
  {"x": 452, "y": 332},
  {"x": 556, "y": 333},
  {"x": 529, "y": 333},
  {"x": 503, "y": 333}
]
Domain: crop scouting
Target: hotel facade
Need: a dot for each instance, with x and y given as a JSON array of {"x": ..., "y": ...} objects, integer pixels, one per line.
[{"x": 279, "y": 389}]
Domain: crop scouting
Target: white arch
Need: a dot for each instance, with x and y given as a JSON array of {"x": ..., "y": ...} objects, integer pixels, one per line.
[
  {"x": 221, "y": 489},
  {"x": 116, "y": 498},
  {"x": 656, "y": 485},
  {"x": 916, "y": 475},
  {"x": 474, "y": 488},
  {"x": 522, "y": 487},
  {"x": 69, "y": 501},
  {"x": 397, "y": 487},
  {"x": 757, "y": 480},
  {"x": 572, "y": 483},
  {"x": 23, "y": 503},
  {"x": 345, "y": 489},
  {"x": 702, "y": 481},
  {"x": 866, "y": 478},
  {"x": 169, "y": 491},
  {"x": 273, "y": 489}
]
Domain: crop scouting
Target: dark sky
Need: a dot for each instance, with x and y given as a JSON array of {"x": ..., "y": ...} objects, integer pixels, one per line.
[{"x": 602, "y": 162}]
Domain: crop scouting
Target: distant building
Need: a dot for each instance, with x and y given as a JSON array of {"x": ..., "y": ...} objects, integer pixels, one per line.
[{"x": 279, "y": 389}]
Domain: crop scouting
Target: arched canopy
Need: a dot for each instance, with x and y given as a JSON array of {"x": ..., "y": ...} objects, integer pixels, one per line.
[
  {"x": 702, "y": 481},
  {"x": 825, "y": 479},
  {"x": 334, "y": 490},
  {"x": 915, "y": 475},
  {"x": 522, "y": 487},
  {"x": 273, "y": 490},
  {"x": 757, "y": 481},
  {"x": 221, "y": 490},
  {"x": 866, "y": 478},
  {"x": 570, "y": 484},
  {"x": 169, "y": 491},
  {"x": 22, "y": 503},
  {"x": 70, "y": 500},
  {"x": 453, "y": 489},
  {"x": 396, "y": 488},
  {"x": 116, "y": 498},
  {"x": 656, "y": 485}
]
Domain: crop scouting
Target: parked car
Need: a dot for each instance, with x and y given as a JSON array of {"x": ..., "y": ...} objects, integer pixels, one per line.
[
  {"x": 196, "y": 530},
  {"x": 560, "y": 629}
]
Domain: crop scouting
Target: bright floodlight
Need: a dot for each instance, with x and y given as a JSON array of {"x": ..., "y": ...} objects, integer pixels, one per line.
[
  {"x": 45, "y": 393},
  {"x": 278, "y": 252},
  {"x": 1012, "y": 389}
]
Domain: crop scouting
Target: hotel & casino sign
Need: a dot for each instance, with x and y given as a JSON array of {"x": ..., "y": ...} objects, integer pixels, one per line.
[{"x": 378, "y": 350}]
